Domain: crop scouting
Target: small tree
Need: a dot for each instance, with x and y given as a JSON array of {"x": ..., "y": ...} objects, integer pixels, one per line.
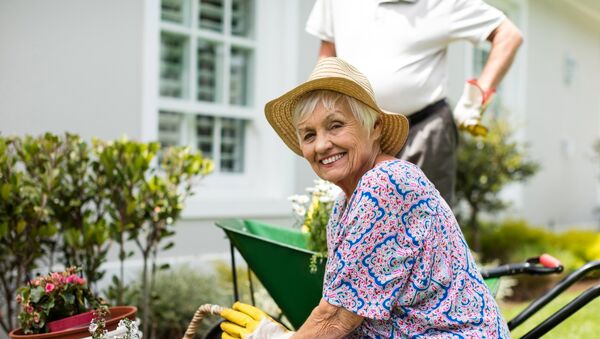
[
  {"x": 27, "y": 179},
  {"x": 485, "y": 167},
  {"x": 144, "y": 200},
  {"x": 78, "y": 206}
]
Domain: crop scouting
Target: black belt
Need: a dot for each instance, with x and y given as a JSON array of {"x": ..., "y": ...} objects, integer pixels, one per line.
[{"x": 425, "y": 113}]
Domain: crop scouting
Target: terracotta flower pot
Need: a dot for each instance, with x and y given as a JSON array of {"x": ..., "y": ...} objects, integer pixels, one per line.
[
  {"x": 116, "y": 314},
  {"x": 78, "y": 320}
]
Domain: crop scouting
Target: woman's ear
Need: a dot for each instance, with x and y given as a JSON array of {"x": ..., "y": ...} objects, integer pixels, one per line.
[{"x": 377, "y": 127}]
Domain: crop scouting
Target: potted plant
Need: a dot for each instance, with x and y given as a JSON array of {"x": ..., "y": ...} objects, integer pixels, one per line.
[{"x": 61, "y": 305}]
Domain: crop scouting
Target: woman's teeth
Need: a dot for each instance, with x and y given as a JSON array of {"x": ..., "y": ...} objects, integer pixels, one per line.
[{"x": 329, "y": 160}]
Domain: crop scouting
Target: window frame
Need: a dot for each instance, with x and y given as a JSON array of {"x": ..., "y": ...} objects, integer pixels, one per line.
[{"x": 188, "y": 105}]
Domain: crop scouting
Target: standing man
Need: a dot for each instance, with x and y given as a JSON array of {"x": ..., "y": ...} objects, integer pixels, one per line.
[{"x": 401, "y": 46}]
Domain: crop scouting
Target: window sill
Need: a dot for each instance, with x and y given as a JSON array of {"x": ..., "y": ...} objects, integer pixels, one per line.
[{"x": 237, "y": 208}]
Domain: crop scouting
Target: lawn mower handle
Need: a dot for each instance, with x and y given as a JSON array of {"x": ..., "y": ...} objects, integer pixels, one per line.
[{"x": 544, "y": 264}]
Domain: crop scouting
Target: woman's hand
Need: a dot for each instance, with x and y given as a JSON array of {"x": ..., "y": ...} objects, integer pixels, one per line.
[
  {"x": 248, "y": 322},
  {"x": 328, "y": 321}
]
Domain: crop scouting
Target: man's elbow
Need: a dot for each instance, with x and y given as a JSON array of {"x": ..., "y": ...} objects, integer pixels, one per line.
[
  {"x": 517, "y": 37},
  {"x": 507, "y": 34}
]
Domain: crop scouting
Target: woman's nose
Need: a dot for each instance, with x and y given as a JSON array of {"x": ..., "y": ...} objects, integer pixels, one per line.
[{"x": 322, "y": 143}]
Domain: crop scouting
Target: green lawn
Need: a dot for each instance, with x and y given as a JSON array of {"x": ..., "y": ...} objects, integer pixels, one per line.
[{"x": 583, "y": 324}]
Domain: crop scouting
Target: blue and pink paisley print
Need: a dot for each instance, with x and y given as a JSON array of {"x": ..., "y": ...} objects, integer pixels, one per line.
[{"x": 397, "y": 258}]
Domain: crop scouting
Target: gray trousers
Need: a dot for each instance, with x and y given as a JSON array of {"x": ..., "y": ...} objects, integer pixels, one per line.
[{"x": 431, "y": 145}]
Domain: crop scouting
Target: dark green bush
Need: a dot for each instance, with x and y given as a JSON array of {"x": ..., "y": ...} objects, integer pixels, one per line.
[
  {"x": 178, "y": 292},
  {"x": 176, "y": 295},
  {"x": 516, "y": 240}
]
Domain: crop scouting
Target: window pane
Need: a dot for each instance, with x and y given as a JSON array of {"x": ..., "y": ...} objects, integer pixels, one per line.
[
  {"x": 169, "y": 128},
  {"x": 210, "y": 65},
  {"x": 172, "y": 65},
  {"x": 232, "y": 140},
  {"x": 241, "y": 17},
  {"x": 238, "y": 86},
  {"x": 211, "y": 15},
  {"x": 174, "y": 11},
  {"x": 205, "y": 126}
]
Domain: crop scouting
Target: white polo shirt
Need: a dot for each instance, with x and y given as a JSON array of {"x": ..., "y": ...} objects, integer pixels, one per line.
[{"x": 401, "y": 45}]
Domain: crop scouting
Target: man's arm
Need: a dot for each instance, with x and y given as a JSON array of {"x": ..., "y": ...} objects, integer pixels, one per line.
[
  {"x": 327, "y": 49},
  {"x": 328, "y": 321},
  {"x": 505, "y": 40}
]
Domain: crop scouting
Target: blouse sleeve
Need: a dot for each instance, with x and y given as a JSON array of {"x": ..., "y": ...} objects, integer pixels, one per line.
[{"x": 372, "y": 259}]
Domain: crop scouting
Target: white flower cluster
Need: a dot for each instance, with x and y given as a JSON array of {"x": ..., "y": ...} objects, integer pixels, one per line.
[
  {"x": 126, "y": 329},
  {"x": 326, "y": 191},
  {"x": 130, "y": 328},
  {"x": 323, "y": 190}
]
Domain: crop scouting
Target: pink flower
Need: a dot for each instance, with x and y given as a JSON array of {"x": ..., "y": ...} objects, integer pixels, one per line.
[
  {"x": 29, "y": 309},
  {"x": 80, "y": 281},
  {"x": 36, "y": 282},
  {"x": 36, "y": 318},
  {"x": 72, "y": 279},
  {"x": 19, "y": 298},
  {"x": 58, "y": 278},
  {"x": 49, "y": 287}
]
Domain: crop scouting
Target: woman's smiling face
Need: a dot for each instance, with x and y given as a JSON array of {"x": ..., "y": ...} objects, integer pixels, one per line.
[{"x": 337, "y": 146}]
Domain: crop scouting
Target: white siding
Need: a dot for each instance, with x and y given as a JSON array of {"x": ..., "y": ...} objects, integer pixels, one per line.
[
  {"x": 562, "y": 118},
  {"x": 71, "y": 65}
]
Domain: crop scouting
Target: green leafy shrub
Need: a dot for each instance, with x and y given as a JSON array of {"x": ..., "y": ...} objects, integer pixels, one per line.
[
  {"x": 63, "y": 197},
  {"x": 515, "y": 241},
  {"x": 485, "y": 166},
  {"x": 178, "y": 292},
  {"x": 27, "y": 227},
  {"x": 176, "y": 295}
]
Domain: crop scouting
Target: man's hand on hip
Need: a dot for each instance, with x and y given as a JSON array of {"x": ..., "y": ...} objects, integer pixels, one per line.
[{"x": 470, "y": 107}]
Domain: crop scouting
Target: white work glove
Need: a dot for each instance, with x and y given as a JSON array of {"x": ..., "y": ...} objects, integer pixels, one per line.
[
  {"x": 470, "y": 107},
  {"x": 248, "y": 322}
]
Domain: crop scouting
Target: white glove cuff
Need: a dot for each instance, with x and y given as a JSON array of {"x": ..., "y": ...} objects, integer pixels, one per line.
[{"x": 269, "y": 329}]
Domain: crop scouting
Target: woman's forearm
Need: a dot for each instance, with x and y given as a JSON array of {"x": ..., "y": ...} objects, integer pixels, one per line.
[{"x": 328, "y": 321}]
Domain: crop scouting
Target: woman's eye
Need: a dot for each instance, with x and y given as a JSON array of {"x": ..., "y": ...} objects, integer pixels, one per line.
[
  {"x": 335, "y": 125},
  {"x": 308, "y": 136}
]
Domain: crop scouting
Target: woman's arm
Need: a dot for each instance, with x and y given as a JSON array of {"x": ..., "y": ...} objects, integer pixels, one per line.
[{"x": 328, "y": 321}]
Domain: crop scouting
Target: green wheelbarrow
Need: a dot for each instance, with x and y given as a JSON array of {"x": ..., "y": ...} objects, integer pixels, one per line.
[{"x": 279, "y": 258}]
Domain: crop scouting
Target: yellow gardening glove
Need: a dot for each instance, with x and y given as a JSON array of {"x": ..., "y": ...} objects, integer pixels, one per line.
[
  {"x": 470, "y": 107},
  {"x": 248, "y": 322}
]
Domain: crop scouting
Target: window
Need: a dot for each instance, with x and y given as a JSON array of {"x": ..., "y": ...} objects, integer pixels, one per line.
[{"x": 207, "y": 50}]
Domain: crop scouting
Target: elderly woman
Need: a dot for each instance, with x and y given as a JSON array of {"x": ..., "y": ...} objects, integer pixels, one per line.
[{"x": 398, "y": 264}]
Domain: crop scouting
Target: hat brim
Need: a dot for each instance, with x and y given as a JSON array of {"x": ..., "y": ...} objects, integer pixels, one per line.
[{"x": 279, "y": 113}]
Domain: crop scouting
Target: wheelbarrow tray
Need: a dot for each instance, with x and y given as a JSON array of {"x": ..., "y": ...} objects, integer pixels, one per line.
[{"x": 279, "y": 258}]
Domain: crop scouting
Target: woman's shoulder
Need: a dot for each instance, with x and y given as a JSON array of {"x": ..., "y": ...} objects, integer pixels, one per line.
[{"x": 397, "y": 172}]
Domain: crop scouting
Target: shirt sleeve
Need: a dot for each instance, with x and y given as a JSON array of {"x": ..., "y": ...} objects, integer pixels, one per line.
[
  {"x": 372, "y": 262},
  {"x": 474, "y": 20},
  {"x": 320, "y": 21}
]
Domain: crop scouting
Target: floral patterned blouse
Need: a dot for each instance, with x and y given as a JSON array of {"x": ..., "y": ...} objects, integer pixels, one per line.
[{"x": 397, "y": 257}]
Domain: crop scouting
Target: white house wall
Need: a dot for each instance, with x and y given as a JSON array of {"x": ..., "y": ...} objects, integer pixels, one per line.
[
  {"x": 71, "y": 65},
  {"x": 563, "y": 111}
]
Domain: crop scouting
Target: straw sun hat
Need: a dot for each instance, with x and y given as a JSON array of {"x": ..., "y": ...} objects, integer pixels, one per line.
[{"x": 336, "y": 75}]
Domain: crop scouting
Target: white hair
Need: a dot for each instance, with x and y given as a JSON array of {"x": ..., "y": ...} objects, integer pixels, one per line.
[{"x": 308, "y": 102}]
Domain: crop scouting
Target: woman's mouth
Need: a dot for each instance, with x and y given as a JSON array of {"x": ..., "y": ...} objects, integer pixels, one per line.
[{"x": 332, "y": 159}]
